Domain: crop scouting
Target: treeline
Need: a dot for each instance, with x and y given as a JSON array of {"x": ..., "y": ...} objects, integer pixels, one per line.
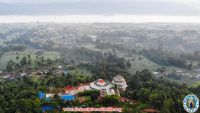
[
  {"x": 165, "y": 58},
  {"x": 193, "y": 56},
  {"x": 19, "y": 96},
  {"x": 28, "y": 61},
  {"x": 112, "y": 46},
  {"x": 107, "y": 67},
  {"x": 11, "y": 48}
]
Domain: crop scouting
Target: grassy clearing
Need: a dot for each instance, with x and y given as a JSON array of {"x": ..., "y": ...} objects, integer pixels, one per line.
[
  {"x": 139, "y": 62},
  {"x": 193, "y": 62},
  {"x": 81, "y": 73},
  {"x": 192, "y": 82},
  {"x": 13, "y": 54},
  {"x": 196, "y": 84}
]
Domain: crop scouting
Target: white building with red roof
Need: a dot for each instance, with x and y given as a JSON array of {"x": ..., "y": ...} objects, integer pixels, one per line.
[
  {"x": 104, "y": 86},
  {"x": 74, "y": 90}
]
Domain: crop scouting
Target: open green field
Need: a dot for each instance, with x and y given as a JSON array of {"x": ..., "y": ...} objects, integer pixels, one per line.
[
  {"x": 196, "y": 84},
  {"x": 139, "y": 62},
  {"x": 81, "y": 73},
  {"x": 13, "y": 54}
]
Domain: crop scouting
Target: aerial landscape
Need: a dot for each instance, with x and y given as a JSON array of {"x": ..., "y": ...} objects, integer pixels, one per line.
[
  {"x": 58, "y": 59},
  {"x": 99, "y": 56}
]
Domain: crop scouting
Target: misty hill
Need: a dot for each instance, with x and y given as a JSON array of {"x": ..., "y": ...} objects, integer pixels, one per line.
[{"x": 178, "y": 38}]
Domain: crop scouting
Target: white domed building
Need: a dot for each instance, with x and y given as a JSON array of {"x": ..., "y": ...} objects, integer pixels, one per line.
[{"x": 104, "y": 86}]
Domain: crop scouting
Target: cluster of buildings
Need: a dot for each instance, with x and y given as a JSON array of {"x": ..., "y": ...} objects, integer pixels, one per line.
[
  {"x": 176, "y": 73},
  {"x": 117, "y": 85},
  {"x": 114, "y": 87},
  {"x": 12, "y": 75},
  {"x": 28, "y": 73}
]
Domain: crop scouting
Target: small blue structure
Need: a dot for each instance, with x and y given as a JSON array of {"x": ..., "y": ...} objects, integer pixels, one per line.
[
  {"x": 67, "y": 97},
  {"x": 65, "y": 72},
  {"x": 41, "y": 95},
  {"x": 47, "y": 108}
]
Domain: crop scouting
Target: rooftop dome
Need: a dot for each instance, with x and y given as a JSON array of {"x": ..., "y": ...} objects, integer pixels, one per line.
[{"x": 101, "y": 82}]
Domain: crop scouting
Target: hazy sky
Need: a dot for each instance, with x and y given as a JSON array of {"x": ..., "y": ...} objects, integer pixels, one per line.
[
  {"x": 99, "y": 11},
  {"x": 106, "y": 7},
  {"x": 56, "y": 1}
]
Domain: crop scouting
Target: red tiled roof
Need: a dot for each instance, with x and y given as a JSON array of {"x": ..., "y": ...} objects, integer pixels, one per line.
[
  {"x": 68, "y": 88},
  {"x": 101, "y": 81}
]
